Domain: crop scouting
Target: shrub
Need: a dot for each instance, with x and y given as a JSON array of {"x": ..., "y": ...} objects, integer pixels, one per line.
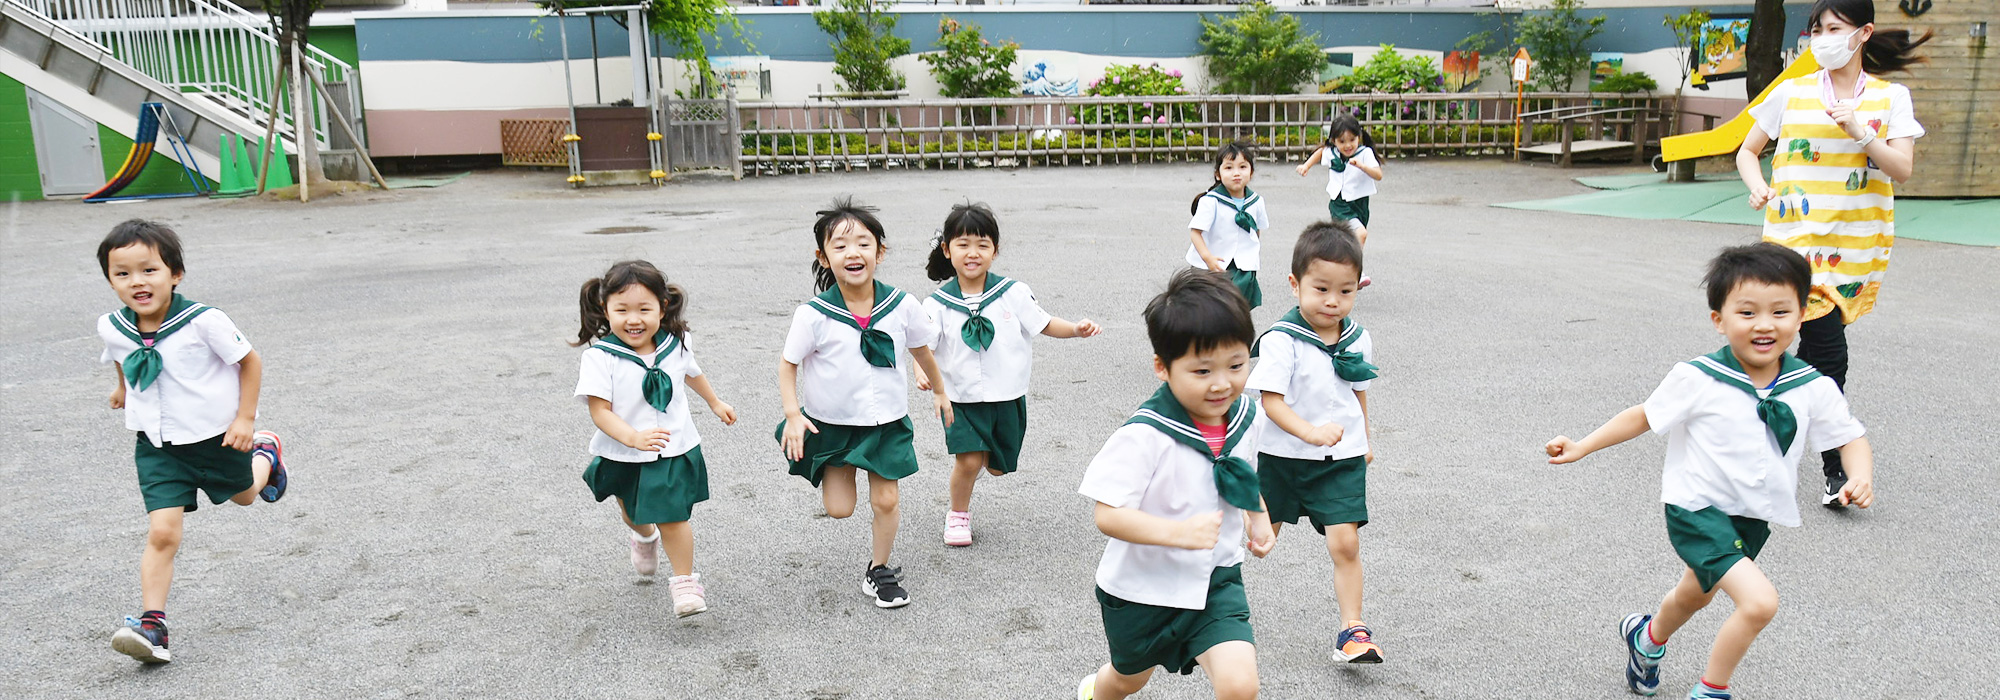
[
  {"x": 1136, "y": 80},
  {"x": 1260, "y": 52},
  {"x": 1559, "y": 40},
  {"x": 968, "y": 65},
  {"x": 864, "y": 42},
  {"x": 1390, "y": 71},
  {"x": 1628, "y": 82}
]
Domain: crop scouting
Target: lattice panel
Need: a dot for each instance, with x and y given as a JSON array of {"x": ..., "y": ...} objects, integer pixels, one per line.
[{"x": 533, "y": 142}]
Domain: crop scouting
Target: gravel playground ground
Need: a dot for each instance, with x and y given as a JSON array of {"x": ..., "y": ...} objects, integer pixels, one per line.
[{"x": 438, "y": 541}]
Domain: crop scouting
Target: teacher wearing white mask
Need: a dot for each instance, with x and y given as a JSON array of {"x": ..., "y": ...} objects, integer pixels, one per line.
[{"x": 1844, "y": 138}]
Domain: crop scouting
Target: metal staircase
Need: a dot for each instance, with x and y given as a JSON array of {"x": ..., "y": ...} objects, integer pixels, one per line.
[{"x": 211, "y": 62}]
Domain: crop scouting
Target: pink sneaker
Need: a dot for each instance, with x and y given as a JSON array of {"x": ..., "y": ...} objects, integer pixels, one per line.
[
  {"x": 957, "y": 528},
  {"x": 646, "y": 554},
  {"x": 689, "y": 596}
]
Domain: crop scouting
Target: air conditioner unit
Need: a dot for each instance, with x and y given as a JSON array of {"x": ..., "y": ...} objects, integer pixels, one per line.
[{"x": 747, "y": 77}]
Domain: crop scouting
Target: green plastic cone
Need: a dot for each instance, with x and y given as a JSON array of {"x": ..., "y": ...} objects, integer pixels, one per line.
[
  {"x": 236, "y": 174},
  {"x": 281, "y": 169}
]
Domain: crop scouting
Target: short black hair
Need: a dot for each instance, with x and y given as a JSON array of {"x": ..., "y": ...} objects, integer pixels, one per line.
[
  {"x": 151, "y": 234},
  {"x": 966, "y": 219},
  {"x": 1199, "y": 311},
  {"x": 1332, "y": 241},
  {"x": 1765, "y": 262}
]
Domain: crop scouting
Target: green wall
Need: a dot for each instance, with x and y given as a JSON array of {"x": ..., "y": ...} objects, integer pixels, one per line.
[
  {"x": 338, "y": 41},
  {"x": 20, "y": 176}
]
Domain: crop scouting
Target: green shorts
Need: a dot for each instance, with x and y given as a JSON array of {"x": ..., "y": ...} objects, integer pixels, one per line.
[
  {"x": 1246, "y": 282},
  {"x": 886, "y": 449},
  {"x": 1143, "y": 636},
  {"x": 996, "y": 428},
  {"x": 661, "y": 491},
  {"x": 1343, "y": 210},
  {"x": 1328, "y": 491},
  {"x": 1711, "y": 541},
  {"x": 168, "y": 475}
]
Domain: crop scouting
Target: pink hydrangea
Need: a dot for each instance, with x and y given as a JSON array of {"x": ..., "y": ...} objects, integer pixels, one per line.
[
  {"x": 1147, "y": 105},
  {"x": 1072, "y": 120},
  {"x": 1161, "y": 120},
  {"x": 1114, "y": 80},
  {"x": 1176, "y": 72}
]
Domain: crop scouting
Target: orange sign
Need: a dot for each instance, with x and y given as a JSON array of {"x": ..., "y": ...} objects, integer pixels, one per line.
[{"x": 1521, "y": 62}]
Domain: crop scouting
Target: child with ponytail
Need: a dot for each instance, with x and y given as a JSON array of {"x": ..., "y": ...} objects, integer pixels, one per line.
[
  {"x": 986, "y": 326},
  {"x": 637, "y": 370},
  {"x": 1352, "y": 171}
]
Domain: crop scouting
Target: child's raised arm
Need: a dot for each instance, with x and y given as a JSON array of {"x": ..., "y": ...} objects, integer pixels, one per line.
[
  {"x": 250, "y": 384},
  {"x": 1201, "y": 248},
  {"x": 652, "y": 440},
  {"x": 1140, "y": 527},
  {"x": 1282, "y": 414},
  {"x": 1059, "y": 328},
  {"x": 1628, "y": 424},
  {"x": 723, "y": 411},
  {"x": 1310, "y": 162},
  {"x": 1858, "y": 458},
  {"x": 1374, "y": 171}
]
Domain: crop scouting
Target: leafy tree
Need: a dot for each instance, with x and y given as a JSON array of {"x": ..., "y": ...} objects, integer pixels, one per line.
[
  {"x": 1390, "y": 71},
  {"x": 1763, "y": 57},
  {"x": 1558, "y": 38},
  {"x": 685, "y": 23},
  {"x": 1691, "y": 31},
  {"x": 1260, "y": 52},
  {"x": 864, "y": 42},
  {"x": 969, "y": 65}
]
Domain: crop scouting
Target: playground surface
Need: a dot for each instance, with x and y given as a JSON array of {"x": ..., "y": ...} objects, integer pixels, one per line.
[{"x": 438, "y": 541}]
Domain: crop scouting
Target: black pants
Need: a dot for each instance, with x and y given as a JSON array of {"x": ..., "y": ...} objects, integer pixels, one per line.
[{"x": 1823, "y": 344}]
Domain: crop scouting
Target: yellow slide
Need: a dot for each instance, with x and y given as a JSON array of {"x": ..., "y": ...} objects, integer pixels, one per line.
[{"x": 1728, "y": 137}]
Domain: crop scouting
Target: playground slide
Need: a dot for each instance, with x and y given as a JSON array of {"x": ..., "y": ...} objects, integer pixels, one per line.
[
  {"x": 1729, "y": 136},
  {"x": 142, "y": 152}
]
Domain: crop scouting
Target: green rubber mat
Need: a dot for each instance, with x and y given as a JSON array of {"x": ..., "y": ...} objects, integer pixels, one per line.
[{"x": 1723, "y": 199}]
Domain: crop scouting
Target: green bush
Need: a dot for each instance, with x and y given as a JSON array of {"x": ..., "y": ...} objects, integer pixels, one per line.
[
  {"x": 864, "y": 42},
  {"x": 968, "y": 65},
  {"x": 1390, "y": 71},
  {"x": 1260, "y": 52},
  {"x": 1628, "y": 82},
  {"x": 1558, "y": 38},
  {"x": 1136, "y": 81}
]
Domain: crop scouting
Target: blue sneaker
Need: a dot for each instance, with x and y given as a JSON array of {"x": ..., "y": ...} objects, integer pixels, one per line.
[
  {"x": 143, "y": 638},
  {"x": 1701, "y": 691},
  {"x": 267, "y": 443},
  {"x": 1642, "y": 671}
]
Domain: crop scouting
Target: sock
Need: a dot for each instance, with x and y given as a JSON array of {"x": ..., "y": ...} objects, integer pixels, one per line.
[
  {"x": 655, "y": 537},
  {"x": 159, "y": 616},
  {"x": 1646, "y": 644},
  {"x": 1707, "y": 691}
]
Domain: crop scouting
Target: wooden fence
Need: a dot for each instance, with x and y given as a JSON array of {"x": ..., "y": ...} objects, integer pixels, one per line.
[{"x": 787, "y": 137}]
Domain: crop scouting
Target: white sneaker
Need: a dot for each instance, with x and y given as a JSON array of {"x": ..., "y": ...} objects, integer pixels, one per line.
[
  {"x": 957, "y": 528},
  {"x": 646, "y": 554},
  {"x": 689, "y": 595}
]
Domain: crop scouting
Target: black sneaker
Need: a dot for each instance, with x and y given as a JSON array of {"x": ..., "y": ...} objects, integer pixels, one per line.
[
  {"x": 885, "y": 585},
  {"x": 144, "y": 639},
  {"x": 1831, "y": 498}
]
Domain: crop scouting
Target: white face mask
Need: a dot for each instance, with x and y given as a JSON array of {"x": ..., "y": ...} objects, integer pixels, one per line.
[{"x": 1834, "y": 50}]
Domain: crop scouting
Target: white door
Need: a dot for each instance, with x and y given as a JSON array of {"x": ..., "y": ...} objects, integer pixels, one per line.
[{"x": 65, "y": 147}]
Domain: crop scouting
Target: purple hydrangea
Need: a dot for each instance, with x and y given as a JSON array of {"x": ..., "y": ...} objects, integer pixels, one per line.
[
  {"x": 1114, "y": 80},
  {"x": 1161, "y": 120},
  {"x": 1072, "y": 120}
]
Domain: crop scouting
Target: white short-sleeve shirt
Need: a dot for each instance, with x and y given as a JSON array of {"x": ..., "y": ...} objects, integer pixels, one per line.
[
  {"x": 836, "y": 383},
  {"x": 1227, "y": 241},
  {"x": 1000, "y": 372},
  {"x": 618, "y": 380},
  {"x": 1142, "y": 468},
  {"x": 200, "y": 384},
  {"x": 1350, "y": 184},
  {"x": 1719, "y": 454},
  {"x": 1304, "y": 375}
]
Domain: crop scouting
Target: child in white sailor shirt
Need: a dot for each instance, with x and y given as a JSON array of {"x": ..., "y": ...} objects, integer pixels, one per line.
[
  {"x": 986, "y": 326},
  {"x": 1227, "y": 222},
  {"x": 846, "y": 406},
  {"x": 189, "y": 384}
]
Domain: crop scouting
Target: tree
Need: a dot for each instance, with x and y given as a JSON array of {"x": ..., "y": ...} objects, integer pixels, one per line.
[
  {"x": 1763, "y": 57},
  {"x": 968, "y": 65},
  {"x": 291, "y": 20},
  {"x": 1260, "y": 52},
  {"x": 1691, "y": 32},
  {"x": 864, "y": 42},
  {"x": 1559, "y": 40},
  {"x": 682, "y": 22}
]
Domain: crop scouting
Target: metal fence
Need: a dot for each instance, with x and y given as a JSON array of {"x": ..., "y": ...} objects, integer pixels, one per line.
[
  {"x": 785, "y": 137},
  {"x": 206, "y": 47}
]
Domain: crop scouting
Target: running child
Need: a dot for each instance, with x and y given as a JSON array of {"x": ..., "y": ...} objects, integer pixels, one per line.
[
  {"x": 846, "y": 398},
  {"x": 1736, "y": 420},
  {"x": 1314, "y": 370},
  {"x": 1176, "y": 492},
  {"x": 986, "y": 327},
  {"x": 1228, "y": 221},
  {"x": 635, "y": 378},
  {"x": 189, "y": 384},
  {"x": 1352, "y": 172}
]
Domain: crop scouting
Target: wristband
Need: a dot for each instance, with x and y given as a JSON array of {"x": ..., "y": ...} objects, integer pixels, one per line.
[{"x": 1865, "y": 140}]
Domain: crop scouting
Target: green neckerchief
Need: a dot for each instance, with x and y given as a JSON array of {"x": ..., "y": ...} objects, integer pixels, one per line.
[
  {"x": 1234, "y": 478},
  {"x": 1346, "y": 363},
  {"x": 143, "y": 366},
  {"x": 978, "y": 329},
  {"x": 1334, "y": 160},
  {"x": 1241, "y": 206},
  {"x": 876, "y": 345},
  {"x": 659, "y": 387},
  {"x": 1792, "y": 373}
]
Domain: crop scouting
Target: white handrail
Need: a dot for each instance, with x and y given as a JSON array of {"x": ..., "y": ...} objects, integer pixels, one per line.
[{"x": 204, "y": 48}]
